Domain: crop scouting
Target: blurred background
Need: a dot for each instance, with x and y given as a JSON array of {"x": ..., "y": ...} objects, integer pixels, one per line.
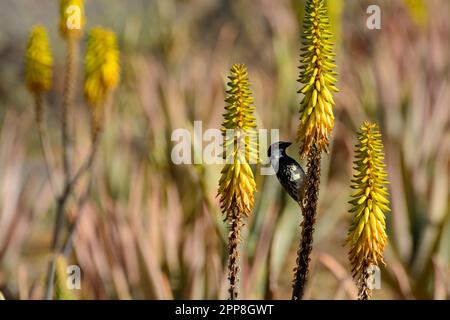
[{"x": 152, "y": 229}]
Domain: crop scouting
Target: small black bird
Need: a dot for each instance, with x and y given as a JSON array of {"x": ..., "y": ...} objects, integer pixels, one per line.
[{"x": 289, "y": 172}]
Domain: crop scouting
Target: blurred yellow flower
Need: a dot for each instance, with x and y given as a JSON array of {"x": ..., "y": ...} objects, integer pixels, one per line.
[
  {"x": 367, "y": 234},
  {"x": 335, "y": 10},
  {"x": 38, "y": 61},
  {"x": 418, "y": 11},
  {"x": 317, "y": 75},
  {"x": 102, "y": 67},
  {"x": 101, "y": 72},
  {"x": 71, "y": 18}
]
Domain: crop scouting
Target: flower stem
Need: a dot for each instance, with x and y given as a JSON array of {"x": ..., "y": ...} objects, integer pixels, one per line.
[
  {"x": 309, "y": 217},
  {"x": 67, "y": 142},
  {"x": 67, "y": 137},
  {"x": 234, "y": 239},
  {"x": 44, "y": 139},
  {"x": 364, "y": 292},
  {"x": 68, "y": 98},
  {"x": 61, "y": 205}
]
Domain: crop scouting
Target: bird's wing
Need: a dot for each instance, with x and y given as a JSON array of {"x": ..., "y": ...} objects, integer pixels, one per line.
[{"x": 294, "y": 178}]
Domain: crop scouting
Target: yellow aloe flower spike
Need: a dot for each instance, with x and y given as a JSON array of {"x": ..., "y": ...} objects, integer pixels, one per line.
[
  {"x": 237, "y": 185},
  {"x": 317, "y": 77},
  {"x": 71, "y": 18},
  {"x": 367, "y": 234},
  {"x": 38, "y": 61},
  {"x": 102, "y": 70}
]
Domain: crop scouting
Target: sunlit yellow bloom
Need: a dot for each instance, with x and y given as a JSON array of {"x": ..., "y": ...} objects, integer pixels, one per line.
[
  {"x": 38, "y": 61},
  {"x": 367, "y": 234},
  {"x": 318, "y": 77},
  {"x": 71, "y": 18},
  {"x": 237, "y": 185},
  {"x": 102, "y": 66}
]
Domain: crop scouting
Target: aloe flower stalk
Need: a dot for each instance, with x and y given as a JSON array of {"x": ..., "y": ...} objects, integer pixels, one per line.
[
  {"x": 316, "y": 122},
  {"x": 38, "y": 79},
  {"x": 71, "y": 23},
  {"x": 367, "y": 234},
  {"x": 237, "y": 185}
]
